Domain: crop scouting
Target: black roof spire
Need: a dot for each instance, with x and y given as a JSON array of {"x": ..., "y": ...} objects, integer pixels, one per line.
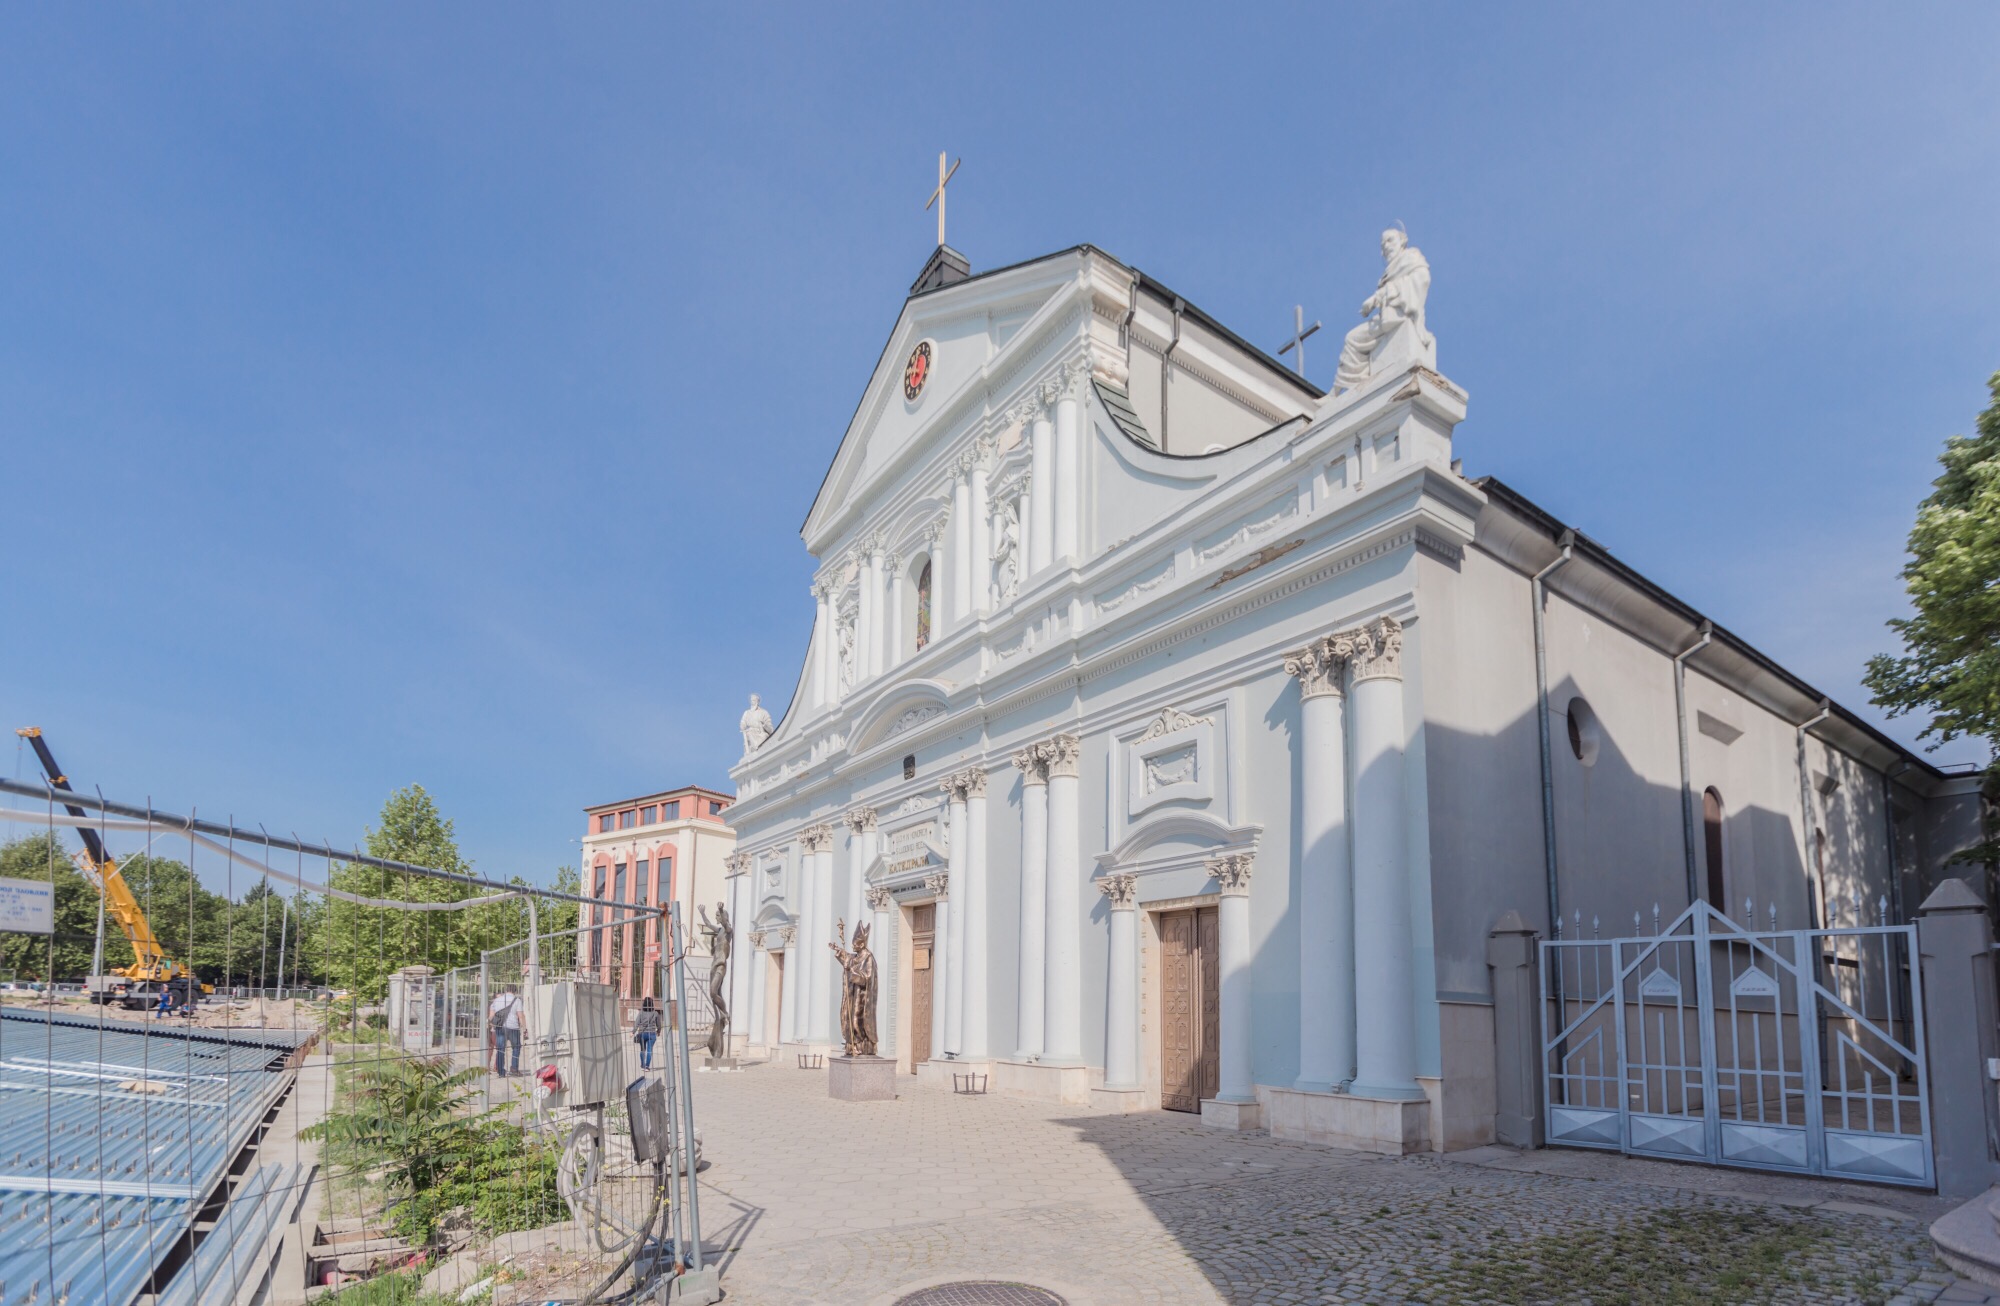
[{"x": 945, "y": 267}]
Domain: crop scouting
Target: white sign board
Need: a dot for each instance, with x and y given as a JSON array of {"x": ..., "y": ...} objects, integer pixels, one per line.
[{"x": 27, "y": 906}]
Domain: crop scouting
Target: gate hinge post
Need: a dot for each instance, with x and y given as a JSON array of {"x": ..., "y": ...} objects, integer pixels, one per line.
[
  {"x": 1955, "y": 946},
  {"x": 1514, "y": 959}
]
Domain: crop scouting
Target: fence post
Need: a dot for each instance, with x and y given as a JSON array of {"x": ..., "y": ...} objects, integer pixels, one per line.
[
  {"x": 1517, "y": 1040},
  {"x": 1955, "y": 940}
]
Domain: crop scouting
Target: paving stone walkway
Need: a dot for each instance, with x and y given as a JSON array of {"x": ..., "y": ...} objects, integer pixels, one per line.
[{"x": 811, "y": 1200}]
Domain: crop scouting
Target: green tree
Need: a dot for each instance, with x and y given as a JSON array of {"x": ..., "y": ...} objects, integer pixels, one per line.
[
  {"x": 66, "y": 954},
  {"x": 360, "y": 947},
  {"x": 1950, "y": 665}
]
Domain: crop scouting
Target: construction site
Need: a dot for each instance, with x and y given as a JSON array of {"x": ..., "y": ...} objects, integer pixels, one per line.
[{"x": 444, "y": 1111}]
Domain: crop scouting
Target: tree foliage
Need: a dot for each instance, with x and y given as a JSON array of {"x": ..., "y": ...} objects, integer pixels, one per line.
[
  {"x": 1950, "y": 666},
  {"x": 411, "y": 1119},
  {"x": 320, "y": 940}
]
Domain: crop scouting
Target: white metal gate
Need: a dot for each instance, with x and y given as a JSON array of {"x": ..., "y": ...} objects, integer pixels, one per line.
[{"x": 1707, "y": 1040}]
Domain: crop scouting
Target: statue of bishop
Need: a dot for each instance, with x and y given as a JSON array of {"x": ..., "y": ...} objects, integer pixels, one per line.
[{"x": 1396, "y": 305}]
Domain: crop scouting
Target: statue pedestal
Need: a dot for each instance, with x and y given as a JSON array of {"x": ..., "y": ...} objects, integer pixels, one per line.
[
  {"x": 861, "y": 1079},
  {"x": 718, "y": 1063}
]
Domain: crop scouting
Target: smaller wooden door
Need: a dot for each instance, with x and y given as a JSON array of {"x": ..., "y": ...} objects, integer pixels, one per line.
[
  {"x": 1190, "y": 1055},
  {"x": 923, "y": 933}
]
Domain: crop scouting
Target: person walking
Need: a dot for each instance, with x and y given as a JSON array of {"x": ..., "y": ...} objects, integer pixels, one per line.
[
  {"x": 646, "y": 1032},
  {"x": 503, "y": 1020}
]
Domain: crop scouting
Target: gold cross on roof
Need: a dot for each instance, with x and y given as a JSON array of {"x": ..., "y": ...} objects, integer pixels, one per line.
[{"x": 937, "y": 196}]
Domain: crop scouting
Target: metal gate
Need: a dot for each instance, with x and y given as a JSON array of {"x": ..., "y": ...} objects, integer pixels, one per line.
[{"x": 1798, "y": 1050}]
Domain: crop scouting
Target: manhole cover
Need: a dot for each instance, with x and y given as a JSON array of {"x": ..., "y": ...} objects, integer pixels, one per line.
[{"x": 982, "y": 1292}]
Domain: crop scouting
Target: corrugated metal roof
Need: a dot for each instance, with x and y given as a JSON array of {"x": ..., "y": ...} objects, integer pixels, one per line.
[{"x": 113, "y": 1134}]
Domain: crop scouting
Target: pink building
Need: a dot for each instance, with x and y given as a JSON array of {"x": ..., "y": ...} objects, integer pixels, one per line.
[{"x": 663, "y": 847}]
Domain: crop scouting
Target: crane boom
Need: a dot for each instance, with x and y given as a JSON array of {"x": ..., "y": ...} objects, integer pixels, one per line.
[{"x": 150, "y": 963}]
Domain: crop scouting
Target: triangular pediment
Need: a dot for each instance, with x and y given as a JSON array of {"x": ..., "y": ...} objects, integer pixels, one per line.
[{"x": 972, "y": 335}]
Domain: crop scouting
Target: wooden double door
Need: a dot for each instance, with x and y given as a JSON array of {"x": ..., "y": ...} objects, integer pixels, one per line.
[
  {"x": 1190, "y": 966},
  {"x": 923, "y": 937}
]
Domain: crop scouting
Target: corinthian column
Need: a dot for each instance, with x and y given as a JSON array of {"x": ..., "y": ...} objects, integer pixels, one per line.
[
  {"x": 892, "y": 635},
  {"x": 871, "y": 578},
  {"x": 818, "y": 842},
  {"x": 961, "y": 547},
  {"x": 1062, "y": 1023},
  {"x": 1385, "y": 1043},
  {"x": 973, "y": 909},
  {"x": 860, "y": 824},
  {"x": 1326, "y": 882},
  {"x": 883, "y": 907},
  {"x": 754, "y": 958},
  {"x": 864, "y": 615},
  {"x": 940, "y": 884},
  {"x": 1030, "y": 988},
  {"x": 982, "y": 541},
  {"x": 823, "y": 638},
  {"x": 1232, "y": 875},
  {"x": 788, "y": 989},
  {"x": 961, "y": 879},
  {"x": 1041, "y": 462},
  {"x": 1121, "y": 991},
  {"x": 1069, "y": 467},
  {"x": 737, "y": 866}
]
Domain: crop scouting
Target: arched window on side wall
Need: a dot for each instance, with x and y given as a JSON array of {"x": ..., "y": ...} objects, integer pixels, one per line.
[
  {"x": 924, "y": 606},
  {"x": 1711, "y": 828}
]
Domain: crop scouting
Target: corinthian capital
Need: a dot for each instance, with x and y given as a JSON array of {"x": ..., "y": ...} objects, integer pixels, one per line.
[
  {"x": 939, "y": 883},
  {"x": 879, "y": 898},
  {"x": 816, "y": 838},
  {"x": 1120, "y": 890},
  {"x": 1319, "y": 665},
  {"x": 1378, "y": 650},
  {"x": 1231, "y": 873},
  {"x": 736, "y": 863},
  {"x": 860, "y": 820},
  {"x": 1061, "y": 754},
  {"x": 1032, "y": 764},
  {"x": 972, "y": 781}
]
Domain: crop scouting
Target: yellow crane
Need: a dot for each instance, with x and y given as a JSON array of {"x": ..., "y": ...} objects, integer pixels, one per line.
[{"x": 151, "y": 968}]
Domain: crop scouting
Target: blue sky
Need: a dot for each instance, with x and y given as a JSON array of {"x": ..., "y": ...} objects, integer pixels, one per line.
[{"x": 433, "y": 393}]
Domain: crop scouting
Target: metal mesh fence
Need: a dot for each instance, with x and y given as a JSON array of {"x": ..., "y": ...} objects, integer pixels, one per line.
[{"x": 332, "y": 1075}]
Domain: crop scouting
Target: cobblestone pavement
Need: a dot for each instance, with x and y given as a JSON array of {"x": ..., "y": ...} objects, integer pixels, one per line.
[{"x": 811, "y": 1200}]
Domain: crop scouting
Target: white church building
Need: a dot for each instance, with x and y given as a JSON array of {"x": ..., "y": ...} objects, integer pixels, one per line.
[{"x": 1182, "y": 730}]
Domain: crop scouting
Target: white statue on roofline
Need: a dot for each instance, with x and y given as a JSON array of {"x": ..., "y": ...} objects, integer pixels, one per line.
[
  {"x": 755, "y": 725},
  {"x": 1392, "y": 336}
]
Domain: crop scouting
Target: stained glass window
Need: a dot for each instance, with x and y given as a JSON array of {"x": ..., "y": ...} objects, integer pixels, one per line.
[{"x": 924, "y": 606}]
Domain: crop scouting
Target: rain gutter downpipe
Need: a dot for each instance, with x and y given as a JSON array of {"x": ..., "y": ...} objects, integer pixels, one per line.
[
  {"x": 1166, "y": 370},
  {"x": 1815, "y": 873},
  {"x": 1687, "y": 778},
  {"x": 1539, "y": 590}
]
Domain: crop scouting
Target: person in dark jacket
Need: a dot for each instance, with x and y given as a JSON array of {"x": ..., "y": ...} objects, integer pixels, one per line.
[{"x": 646, "y": 1032}]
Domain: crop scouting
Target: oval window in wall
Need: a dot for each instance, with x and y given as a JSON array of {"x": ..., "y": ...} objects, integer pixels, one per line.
[{"x": 1584, "y": 732}]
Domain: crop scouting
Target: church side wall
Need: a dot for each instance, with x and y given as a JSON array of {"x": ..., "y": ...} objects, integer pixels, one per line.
[
  {"x": 1485, "y": 809},
  {"x": 1619, "y": 823}
]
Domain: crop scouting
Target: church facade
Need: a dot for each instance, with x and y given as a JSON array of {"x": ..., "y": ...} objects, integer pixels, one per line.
[{"x": 1182, "y": 730}]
